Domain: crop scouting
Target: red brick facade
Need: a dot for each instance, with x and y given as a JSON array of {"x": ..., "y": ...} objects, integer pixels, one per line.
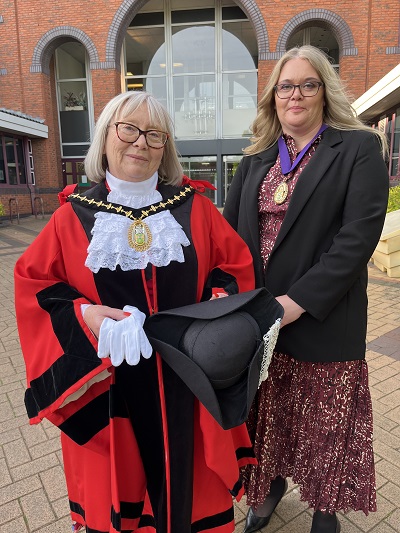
[{"x": 30, "y": 31}]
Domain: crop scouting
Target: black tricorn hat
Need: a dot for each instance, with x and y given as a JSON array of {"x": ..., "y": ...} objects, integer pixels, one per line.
[{"x": 219, "y": 348}]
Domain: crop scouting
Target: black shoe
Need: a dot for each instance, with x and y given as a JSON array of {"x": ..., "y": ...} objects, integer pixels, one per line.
[
  {"x": 254, "y": 522},
  {"x": 325, "y": 523}
]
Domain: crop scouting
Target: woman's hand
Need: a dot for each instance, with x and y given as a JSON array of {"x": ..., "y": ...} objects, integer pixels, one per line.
[
  {"x": 219, "y": 295},
  {"x": 95, "y": 314},
  {"x": 292, "y": 310}
]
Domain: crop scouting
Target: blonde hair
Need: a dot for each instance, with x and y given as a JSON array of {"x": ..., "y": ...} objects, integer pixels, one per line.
[
  {"x": 337, "y": 112},
  {"x": 120, "y": 107}
]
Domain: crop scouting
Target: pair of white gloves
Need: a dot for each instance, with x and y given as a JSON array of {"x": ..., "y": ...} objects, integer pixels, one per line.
[{"x": 124, "y": 339}]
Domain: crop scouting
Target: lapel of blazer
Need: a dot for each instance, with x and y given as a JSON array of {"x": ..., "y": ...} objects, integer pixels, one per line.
[
  {"x": 260, "y": 166},
  {"x": 309, "y": 179}
]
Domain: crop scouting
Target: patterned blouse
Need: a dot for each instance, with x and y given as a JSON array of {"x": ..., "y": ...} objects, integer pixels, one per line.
[{"x": 271, "y": 215}]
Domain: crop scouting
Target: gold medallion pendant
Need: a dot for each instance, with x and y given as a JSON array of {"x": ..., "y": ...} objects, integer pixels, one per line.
[
  {"x": 281, "y": 193},
  {"x": 139, "y": 236}
]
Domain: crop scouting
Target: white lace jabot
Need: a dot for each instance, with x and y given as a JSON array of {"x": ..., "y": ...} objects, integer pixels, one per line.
[{"x": 109, "y": 246}]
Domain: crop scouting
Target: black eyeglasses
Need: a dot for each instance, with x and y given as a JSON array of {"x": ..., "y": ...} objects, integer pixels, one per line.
[
  {"x": 308, "y": 88},
  {"x": 128, "y": 133}
]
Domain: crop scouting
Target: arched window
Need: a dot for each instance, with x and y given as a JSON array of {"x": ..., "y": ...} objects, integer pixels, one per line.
[
  {"x": 319, "y": 36},
  {"x": 200, "y": 60},
  {"x": 72, "y": 98},
  {"x": 75, "y": 109}
]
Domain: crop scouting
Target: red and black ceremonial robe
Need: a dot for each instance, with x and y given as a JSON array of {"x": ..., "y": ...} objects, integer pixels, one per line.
[{"x": 139, "y": 450}]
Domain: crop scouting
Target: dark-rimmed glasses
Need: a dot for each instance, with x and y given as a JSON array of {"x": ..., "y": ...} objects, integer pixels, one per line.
[
  {"x": 308, "y": 88},
  {"x": 129, "y": 133}
]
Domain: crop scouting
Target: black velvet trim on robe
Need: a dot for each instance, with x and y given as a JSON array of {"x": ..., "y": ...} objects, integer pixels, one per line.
[{"x": 58, "y": 300}]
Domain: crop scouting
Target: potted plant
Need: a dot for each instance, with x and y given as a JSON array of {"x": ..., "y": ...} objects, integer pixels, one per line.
[
  {"x": 74, "y": 102},
  {"x": 2, "y": 211}
]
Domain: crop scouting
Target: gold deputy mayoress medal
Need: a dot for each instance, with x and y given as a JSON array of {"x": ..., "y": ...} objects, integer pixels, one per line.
[
  {"x": 139, "y": 236},
  {"x": 281, "y": 193}
]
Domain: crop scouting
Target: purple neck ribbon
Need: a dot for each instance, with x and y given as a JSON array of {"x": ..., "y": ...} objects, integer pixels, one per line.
[{"x": 286, "y": 165}]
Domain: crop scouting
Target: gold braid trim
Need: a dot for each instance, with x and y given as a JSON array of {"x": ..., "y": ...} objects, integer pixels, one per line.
[{"x": 146, "y": 211}]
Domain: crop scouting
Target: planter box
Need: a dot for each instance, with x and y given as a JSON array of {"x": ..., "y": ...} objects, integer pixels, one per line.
[
  {"x": 74, "y": 108},
  {"x": 386, "y": 256}
]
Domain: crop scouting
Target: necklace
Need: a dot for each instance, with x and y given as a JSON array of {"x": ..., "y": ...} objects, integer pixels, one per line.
[
  {"x": 139, "y": 234},
  {"x": 282, "y": 190}
]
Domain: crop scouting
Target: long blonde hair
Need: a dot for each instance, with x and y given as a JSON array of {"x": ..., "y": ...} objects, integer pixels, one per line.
[
  {"x": 121, "y": 106},
  {"x": 338, "y": 111}
]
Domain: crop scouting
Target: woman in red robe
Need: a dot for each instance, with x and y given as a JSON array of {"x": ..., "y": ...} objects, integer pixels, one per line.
[{"x": 140, "y": 451}]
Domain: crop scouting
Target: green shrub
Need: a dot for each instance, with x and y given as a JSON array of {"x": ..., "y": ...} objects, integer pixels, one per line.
[
  {"x": 2, "y": 212},
  {"x": 394, "y": 199}
]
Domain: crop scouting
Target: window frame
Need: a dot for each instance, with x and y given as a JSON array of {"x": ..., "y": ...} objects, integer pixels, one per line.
[{"x": 25, "y": 163}]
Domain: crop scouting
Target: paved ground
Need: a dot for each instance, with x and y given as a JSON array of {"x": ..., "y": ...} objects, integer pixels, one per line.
[{"x": 32, "y": 489}]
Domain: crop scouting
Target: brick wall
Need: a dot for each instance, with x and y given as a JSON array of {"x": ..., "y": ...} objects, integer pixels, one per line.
[{"x": 372, "y": 24}]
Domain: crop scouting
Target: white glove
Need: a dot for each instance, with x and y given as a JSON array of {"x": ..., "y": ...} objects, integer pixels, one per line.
[{"x": 124, "y": 339}]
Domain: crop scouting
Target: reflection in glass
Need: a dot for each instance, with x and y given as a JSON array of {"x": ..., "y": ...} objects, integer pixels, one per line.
[
  {"x": 77, "y": 150},
  {"x": 72, "y": 97},
  {"x": 202, "y": 168},
  {"x": 317, "y": 36},
  {"x": 145, "y": 47},
  {"x": 2, "y": 163},
  {"x": 200, "y": 60},
  {"x": 193, "y": 49},
  {"x": 11, "y": 162},
  {"x": 194, "y": 106},
  {"x": 192, "y": 15},
  {"x": 230, "y": 164},
  {"x": 71, "y": 61},
  {"x": 239, "y": 46},
  {"x": 21, "y": 162},
  {"x": 239, "y": 103}
]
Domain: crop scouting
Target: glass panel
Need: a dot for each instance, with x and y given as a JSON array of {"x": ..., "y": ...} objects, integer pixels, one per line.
[
  {"x": 74, "y": 126},
  {"x": 153, "y": 5},
  {"x": 71, "y": 61},
  {"x": 193, "y": 15},
  {"x": 395, "y": 167},
  {"x": 239, "y": 46},
  {"x": 75, "y": 151},
  {"x": 193, "y": 49},
  {"x": 183, "y": 4},
  {"x": 202, "y": 168},
  {"x": 239, "y": 103},
  {"x": 21, "y": 161},
  {"x": 158, "y": 88},
  {"x": 194, "y": 106},
  {"x": 145, "y": 51},
  {"x": 233, "y": 13},
  {"x": 135, "y": 84},
  {"x": 80, "y": 174},
  {"x": 73, "y": 95},
  {"x": 2, "y": 163},
  {"x": 318, "y": 36},
  {"x": 148, "y": 19},
  {"x": 10, "y": 158},
  {"x": 230, "y": 164}
]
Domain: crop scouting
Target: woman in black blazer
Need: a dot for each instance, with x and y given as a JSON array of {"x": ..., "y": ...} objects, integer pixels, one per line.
[{"x": 309, "y": 198}]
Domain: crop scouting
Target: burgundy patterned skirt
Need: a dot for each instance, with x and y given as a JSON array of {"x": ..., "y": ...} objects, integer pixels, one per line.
[{"x": 313, "y": 422}]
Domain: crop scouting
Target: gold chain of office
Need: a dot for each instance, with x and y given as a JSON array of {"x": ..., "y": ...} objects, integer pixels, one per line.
[{"x": 139, "y": 234}]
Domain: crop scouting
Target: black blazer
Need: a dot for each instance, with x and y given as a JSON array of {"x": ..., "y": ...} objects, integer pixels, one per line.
[{"x": 329, "y": 233}]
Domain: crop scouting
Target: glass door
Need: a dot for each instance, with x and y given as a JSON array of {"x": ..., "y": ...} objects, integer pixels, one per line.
[
  {"x": 202, "y": 168},
  {"x": 230, "y": 164}
]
